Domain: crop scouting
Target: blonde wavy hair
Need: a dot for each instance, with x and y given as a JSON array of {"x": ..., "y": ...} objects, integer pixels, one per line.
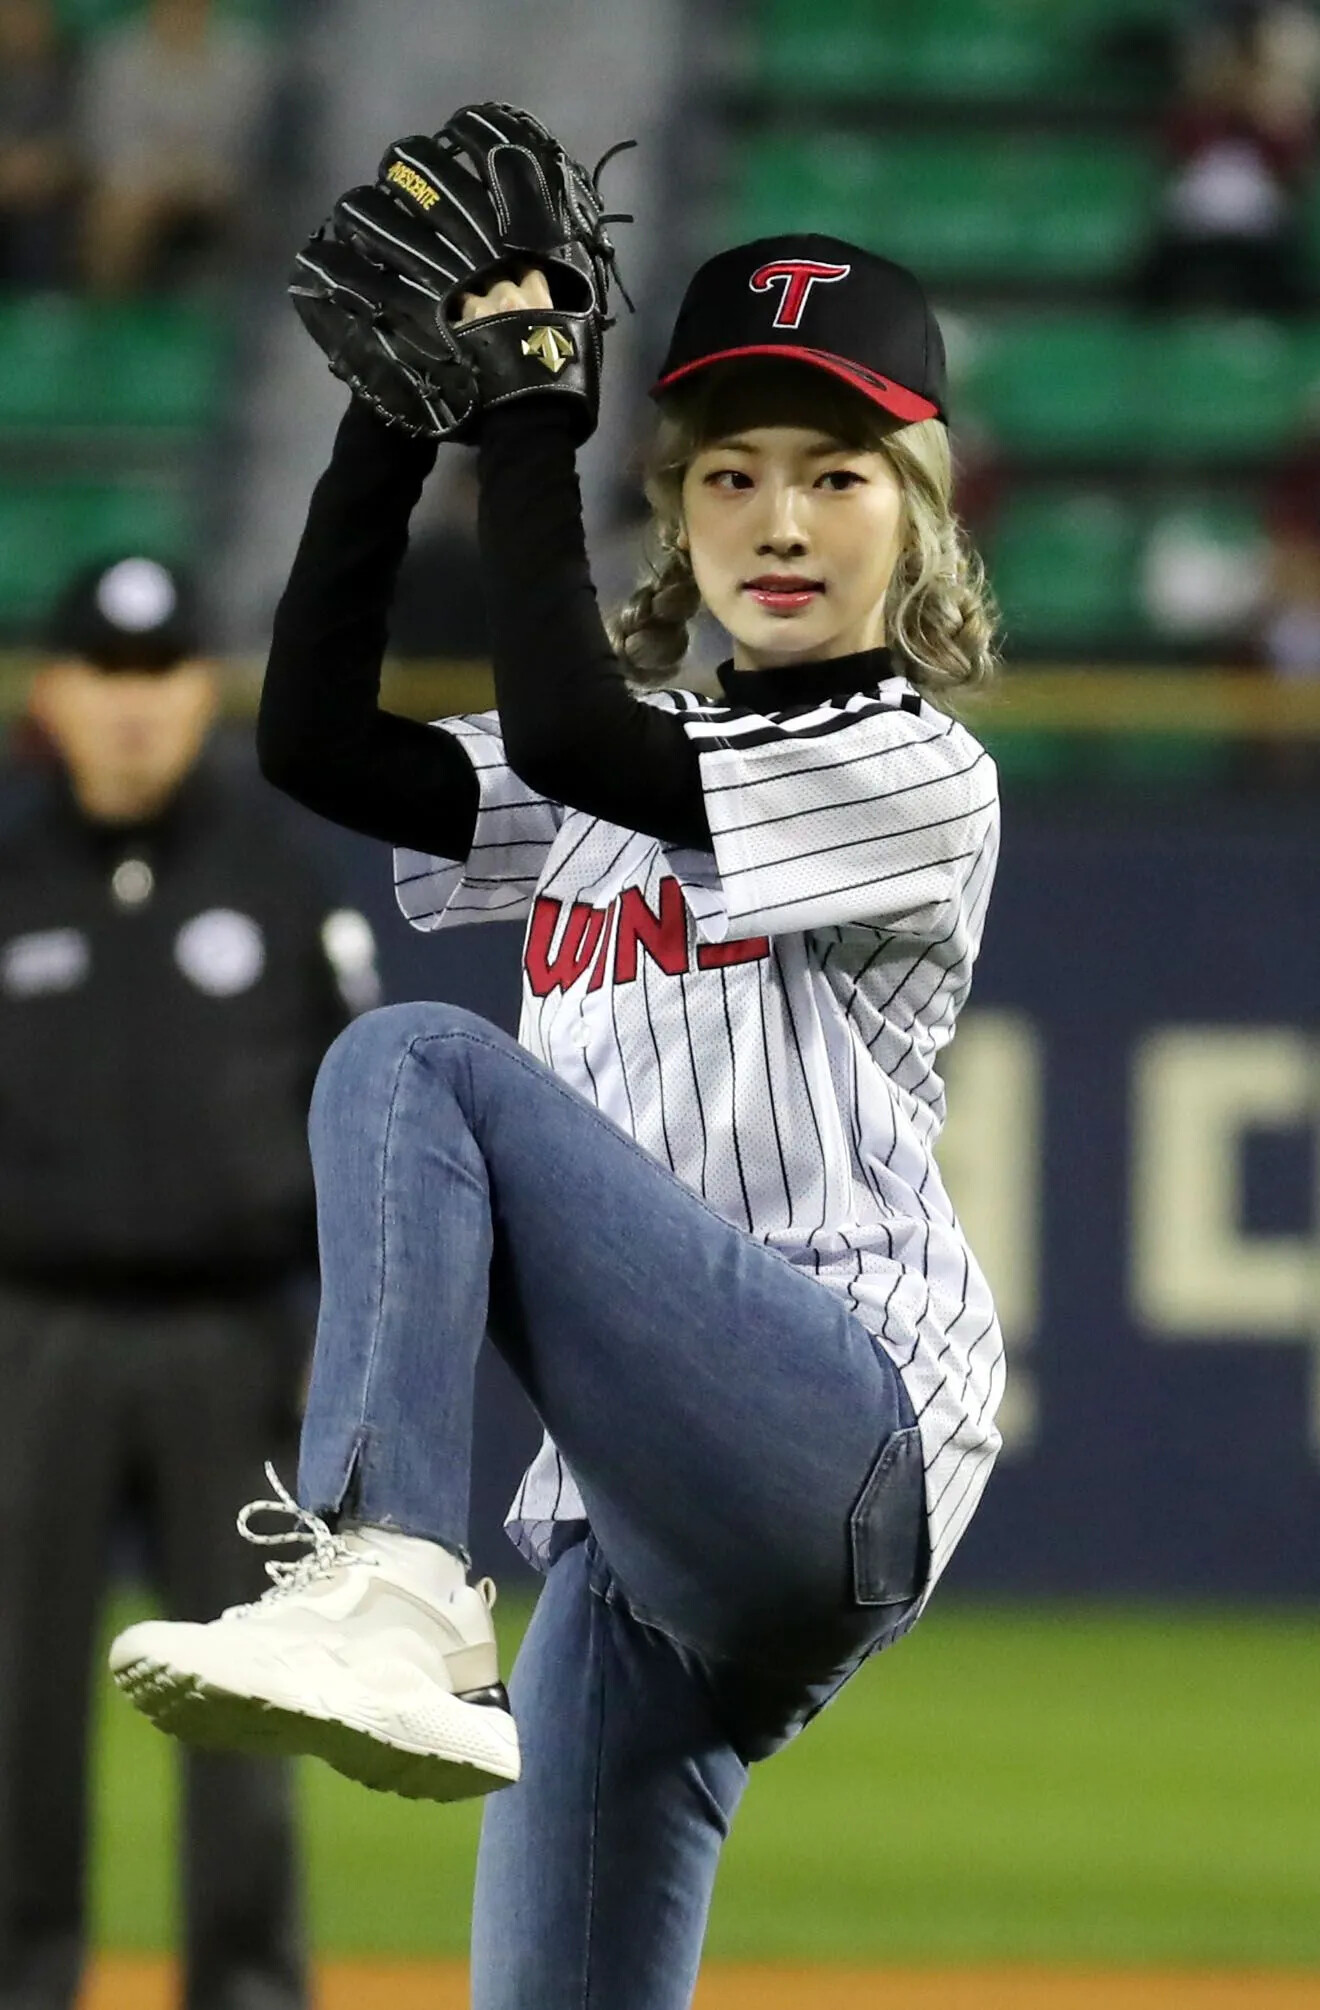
[{"x": 940, "y": 617}]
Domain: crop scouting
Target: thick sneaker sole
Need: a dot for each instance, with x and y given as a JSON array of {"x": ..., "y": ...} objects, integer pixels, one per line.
[{"x": 446, "y": 1750}]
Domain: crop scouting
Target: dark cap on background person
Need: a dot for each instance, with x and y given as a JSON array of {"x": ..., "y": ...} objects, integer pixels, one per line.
[
  {"x": 820, "y": 301},
  {"x": 128, "y": 613}
]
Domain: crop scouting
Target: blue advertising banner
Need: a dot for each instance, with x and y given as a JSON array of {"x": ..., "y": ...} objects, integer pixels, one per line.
[
  {"x": 1134, "y": 1106},
  {"x": 1134, "y": 1102}
]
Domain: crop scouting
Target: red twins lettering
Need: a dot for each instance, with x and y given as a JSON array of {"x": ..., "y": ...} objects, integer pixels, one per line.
[
  {"x": 632, "y": 927},
  {"x": 797, "y": 276},
  {"x": 577, "y": 945}
]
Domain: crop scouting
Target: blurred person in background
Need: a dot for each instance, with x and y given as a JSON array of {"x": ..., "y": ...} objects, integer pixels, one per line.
[
  {"x": 169, "y": 978},
  {"x": 174, "y": 106},
  {"x": 38, "y": 169},
  {"x": 1289, "y": 635},
  {"x": 1241, "y": 140}
]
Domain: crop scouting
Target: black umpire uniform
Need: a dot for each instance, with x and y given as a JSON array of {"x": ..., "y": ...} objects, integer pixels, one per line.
[{"x": 167, "y": 990}]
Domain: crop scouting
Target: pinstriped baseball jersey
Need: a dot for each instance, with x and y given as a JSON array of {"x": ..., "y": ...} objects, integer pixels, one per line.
[{"x": 767, "y": 1018}]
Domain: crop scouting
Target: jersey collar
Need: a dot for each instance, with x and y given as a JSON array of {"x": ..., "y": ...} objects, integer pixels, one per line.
[{"x": 806, "y": 683}]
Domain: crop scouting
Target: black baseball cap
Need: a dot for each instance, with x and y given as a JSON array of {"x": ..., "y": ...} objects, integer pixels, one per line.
[
  {"x": 816, "y": 300},
  {"x": 127, "y": 613}
]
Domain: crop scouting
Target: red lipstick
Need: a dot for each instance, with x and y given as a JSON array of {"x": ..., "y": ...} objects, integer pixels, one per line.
[{"x": 783, "y": 592}]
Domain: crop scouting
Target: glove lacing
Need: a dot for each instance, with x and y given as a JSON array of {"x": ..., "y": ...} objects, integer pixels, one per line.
[
  {"x": 600, "y": 243},
  {"x": 329, "y": 1552}
]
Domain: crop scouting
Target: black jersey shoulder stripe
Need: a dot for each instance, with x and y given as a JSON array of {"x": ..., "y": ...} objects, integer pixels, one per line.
[
  {"x": 846, "y": 760},
  {"x": 737, "y": 741},
  {"x": 849, "y": 705},
  {"x": 681, "y": 700},
  {"x": 697, "y": 704},
  {"x": 854, "y": 704},
  {"x": 867, "y": 799}
]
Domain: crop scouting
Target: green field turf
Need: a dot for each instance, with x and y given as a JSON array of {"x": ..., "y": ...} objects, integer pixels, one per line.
[{"x": 1011, "y": 1783}]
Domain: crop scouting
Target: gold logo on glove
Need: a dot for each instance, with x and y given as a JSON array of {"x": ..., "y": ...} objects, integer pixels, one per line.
[
  {"x": 550, "y": 346},
  {"x": 414, "y": 184}
]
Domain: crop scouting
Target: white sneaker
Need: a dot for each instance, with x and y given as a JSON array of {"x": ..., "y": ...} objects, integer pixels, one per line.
[{"x": 340, "y": 1659}]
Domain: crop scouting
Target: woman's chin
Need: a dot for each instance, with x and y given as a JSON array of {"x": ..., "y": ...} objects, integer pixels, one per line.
[{"x": 781, "y": 640}]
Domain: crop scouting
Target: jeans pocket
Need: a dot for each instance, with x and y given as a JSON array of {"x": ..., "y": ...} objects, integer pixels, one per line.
[{"x": 888, "y": 1524}]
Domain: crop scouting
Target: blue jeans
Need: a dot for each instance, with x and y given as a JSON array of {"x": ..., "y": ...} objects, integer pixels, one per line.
[{"x": 746, "y": 1452}]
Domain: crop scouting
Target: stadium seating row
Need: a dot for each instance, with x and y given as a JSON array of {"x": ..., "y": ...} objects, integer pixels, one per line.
[
  {"x": 1096, "y": 571},
  {"x": 1057, "y": 386},
  {"x": 68, "y": 365},
  {"x": 1072, "y": 568},
  {"x": 971, "y": 207},
  {"x": 1116, "y": 388},
  {"x": 47, "y": 529},
  {"x": 962, "y": 49},
  {"x": 82, "y": 17}
]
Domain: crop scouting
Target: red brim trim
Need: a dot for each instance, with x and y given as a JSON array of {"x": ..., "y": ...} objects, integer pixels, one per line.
[{"x": 895, "y": 398}]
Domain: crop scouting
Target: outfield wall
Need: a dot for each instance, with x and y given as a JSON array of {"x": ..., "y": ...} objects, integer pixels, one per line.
[
  {"x": 1134, "y": 1101},
  {"x": 1134, "y": 1105}
]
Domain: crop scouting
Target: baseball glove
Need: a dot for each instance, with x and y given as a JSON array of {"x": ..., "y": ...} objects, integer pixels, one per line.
[{"x": 488, "y": 196}]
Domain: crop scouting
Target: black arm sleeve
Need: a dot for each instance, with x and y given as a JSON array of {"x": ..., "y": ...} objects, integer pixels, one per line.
[
  {"x": 321, "y": 736},
  {"x": 572, "y": 729}
]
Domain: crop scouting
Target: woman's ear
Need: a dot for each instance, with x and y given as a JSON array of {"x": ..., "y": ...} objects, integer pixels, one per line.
[{"x": 681, "y": 540}]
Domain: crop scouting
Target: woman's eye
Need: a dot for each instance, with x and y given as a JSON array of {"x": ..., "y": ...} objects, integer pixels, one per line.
[
  {"x": 728, "y": 478},
  {"x": 840, "y": 478}
]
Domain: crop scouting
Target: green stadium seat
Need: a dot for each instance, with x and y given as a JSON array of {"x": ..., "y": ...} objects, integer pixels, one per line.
[
  {"x": 1064, "y": 568},
  {"x": 948, "y": 49},
  {"x": 991, "y": 49},
  {"x": 88, "y": 17},
  {"x": 1225, "y": 386},
  {"x": 161, "y": 364},
  {"x": 1044, "y": 208},
  {"x": 1106, "y": 386},
  {"x": 1059, "y": 385},
  {"x": 48, "y": 529},
  {"x": 42, "y": 360},
  {"x": 67, "y": 365}
]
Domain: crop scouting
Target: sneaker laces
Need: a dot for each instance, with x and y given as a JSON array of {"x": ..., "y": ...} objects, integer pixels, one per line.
[{"x": 328, "y": 1552}]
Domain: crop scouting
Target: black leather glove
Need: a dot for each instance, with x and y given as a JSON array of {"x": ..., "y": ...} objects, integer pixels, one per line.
[{"x": 379, "y": 285}]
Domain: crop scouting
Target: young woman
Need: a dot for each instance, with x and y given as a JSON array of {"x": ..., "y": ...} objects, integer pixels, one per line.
[{"x": 696, "y": 1203}]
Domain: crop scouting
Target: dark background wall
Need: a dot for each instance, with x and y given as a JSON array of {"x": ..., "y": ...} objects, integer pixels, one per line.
[
  {"x": 1140, "y": 950},
  {"x": 1134, "y": 1095}
]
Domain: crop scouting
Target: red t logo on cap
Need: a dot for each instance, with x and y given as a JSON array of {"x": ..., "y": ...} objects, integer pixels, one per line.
[{"x": 798, "y": 276}]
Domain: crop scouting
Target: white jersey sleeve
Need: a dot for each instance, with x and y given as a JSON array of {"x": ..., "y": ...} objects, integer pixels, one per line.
[
  {"x": 515, "y": 830},
  {"x": 870, "y": 808}
]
